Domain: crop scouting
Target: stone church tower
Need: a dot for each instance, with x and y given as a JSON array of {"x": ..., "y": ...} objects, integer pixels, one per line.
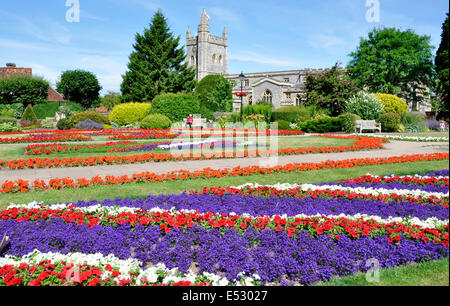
[{"x": 207, "y": 53}]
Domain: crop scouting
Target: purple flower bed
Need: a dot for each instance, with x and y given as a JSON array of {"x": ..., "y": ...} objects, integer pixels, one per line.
[
  {"x": 272, "y": 255},
  {"x": 257, "y": 206}
]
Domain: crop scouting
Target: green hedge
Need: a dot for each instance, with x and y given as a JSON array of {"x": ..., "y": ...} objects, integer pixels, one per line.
[
  {"x": 156, "y": 121},
  {"x": 50, "y": 109},
  {"x": 322, "y": 125},
  {"x": 348, "y": 122},
  {"x": 286, "y": 113},
  {"x": 390, "y": 122},
  {"x": 265, "y": 110},
  {"x": 175, "y": 106},
  {"x": 23, "y": 89}
]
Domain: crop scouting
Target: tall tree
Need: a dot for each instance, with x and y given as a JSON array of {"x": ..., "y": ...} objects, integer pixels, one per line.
[
  {"x": 157, "y": 65},
  {"x": 329, "y": 90},
  {"x": 80, "y": 86},
  {"x": 442, "y": 76},
  {"x": 395, "y": 62}
]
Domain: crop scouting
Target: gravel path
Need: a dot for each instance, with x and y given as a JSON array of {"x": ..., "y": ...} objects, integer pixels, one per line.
[{"x": 394, "y": 148}]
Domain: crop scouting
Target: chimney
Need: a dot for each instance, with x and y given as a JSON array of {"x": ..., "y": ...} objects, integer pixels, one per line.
[{"x": 11, "y": 65}]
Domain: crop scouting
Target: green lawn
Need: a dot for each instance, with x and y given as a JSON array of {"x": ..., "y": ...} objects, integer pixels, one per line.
[
  {"x": 432, "y": 273},
  {"x": 141, "y": 190}
]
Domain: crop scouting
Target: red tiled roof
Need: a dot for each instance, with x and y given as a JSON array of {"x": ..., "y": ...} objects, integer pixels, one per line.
[
  {"x": 54, "y": 96},
  {"x": 6, "y": 72}
]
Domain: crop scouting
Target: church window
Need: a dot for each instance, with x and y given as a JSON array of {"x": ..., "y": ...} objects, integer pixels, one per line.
[
  {"x": 220, "y": 59},
  {"x": 246, "y": 83},
  {"x": 298, "y": 100},
  {"x": 267, "y": 96},
  {"x": 214, "y": 58},
  {"x": 288, "y": 95},
  {"x": 192, "y": 60}
]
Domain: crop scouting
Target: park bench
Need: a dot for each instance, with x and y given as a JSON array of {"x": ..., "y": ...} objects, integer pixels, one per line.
[{"x": 362, "y": 125}]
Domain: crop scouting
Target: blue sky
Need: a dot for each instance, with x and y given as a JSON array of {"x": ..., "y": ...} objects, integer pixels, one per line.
[{"x": 266, "y": 35}]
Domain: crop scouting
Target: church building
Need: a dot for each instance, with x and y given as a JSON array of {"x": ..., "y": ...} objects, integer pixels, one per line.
[{"x": 207, "y": 54}]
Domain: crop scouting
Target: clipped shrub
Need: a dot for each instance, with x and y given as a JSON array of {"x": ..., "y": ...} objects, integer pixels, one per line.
[
  {"x": 177, "y": 106},
  {"x": 156, "y": 121},
  {"x": 283, "y": 125},
  {"x": 322, "y": 125},
  {"x": 414, "y": 122},
  {"x": 29, "y": 115},
  {"x": 92, "y": 115},
  {"x": 64, "y": 124},
  {"x": 365, "y": 105},
  {"x": 286, "y": 113},
  {"x": 348, "y": 122},
  {"x": 129, "y": 113},
  {"x": 47, "y": 124},
  {"x": 389, "y": 122},
  {"x": 392, "y": 104},
  {"x": 88, "y": 124}
]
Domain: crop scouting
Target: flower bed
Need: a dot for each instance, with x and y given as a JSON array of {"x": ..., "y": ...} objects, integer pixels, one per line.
[
  {"x": 46, "y": 138},
  {"x": 223, "y": 238},
  {"x": 361, "y": 143},
  {"x": 410, "y": 138},
  {"x": 39, "y": 149},
  {"x": 59, "y": 183}
]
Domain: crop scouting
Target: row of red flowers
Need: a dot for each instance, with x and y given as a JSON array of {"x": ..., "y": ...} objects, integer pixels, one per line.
[
  {"x": 444, "y": 181},
  {"x": 265, "y": 191},
  {"x": 176, "y": 220},
  {"x": 58, "y": 183},
  {"x": 72, "y": 137},
  {"x": 361, "y": 143},
  {"x": 38, "y": 149}
]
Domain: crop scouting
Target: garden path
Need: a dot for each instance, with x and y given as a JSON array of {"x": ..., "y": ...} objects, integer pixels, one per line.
[{"x": 394, "y": 148}]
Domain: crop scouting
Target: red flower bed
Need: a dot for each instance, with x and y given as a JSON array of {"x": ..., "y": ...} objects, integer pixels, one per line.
[{"x": 24, "y": 186}]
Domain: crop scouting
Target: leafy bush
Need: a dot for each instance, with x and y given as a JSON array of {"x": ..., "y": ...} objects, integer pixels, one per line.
[
  {"x": 322, "y": 125},
  {"x": 64, "y": 124},
  {"x": 348, "y": 121},
  {"x": 24, "y": 90},
  {"x": 389, "y": 122},
  {"x": 283, "y": 125},
  {"x": 9, "y": 127},
  {"x": 50, "y": 109},
  {"x": 414, "y": 122},
  {"x": 92, "y": 115},
  {"x": 7, "y": 119},
  {"x": 129, "y": 113},
  {"x": 110, "y": 100},
  {"x": 47, "y": 124},
  {"x": 286, "y": 113},
  {"x": 80, "y": 86},
  {"x": 365, "y": 105},
  {"x": 156, "y": 121},
  {"x": 392, "y": 104},
  {"x": 265, "y": 110},
  {"x": 29, "y": 115},
  {"x": 88, "y": 124},
  {"x": 176, "y": 106},
  {"x": 215, "y": 93},
  {"x": 13, "y": 110}
]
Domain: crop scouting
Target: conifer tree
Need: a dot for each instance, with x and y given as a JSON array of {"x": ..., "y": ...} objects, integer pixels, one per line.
[
  {"x": 157, "y": 65},
  {"x": 442, "y": 74}
]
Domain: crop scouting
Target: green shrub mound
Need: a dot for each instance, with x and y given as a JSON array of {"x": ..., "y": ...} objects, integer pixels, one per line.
[
  {"x": 47, "y": 124},
  {"x": 348, "y": 122},
  {"x": 322, "y": 125},
  {"x": 64, "y": 124},
  {"x": 392, "y": 104},
  {"x": 92, "y": 115},
  {"x": 29, "y": 115},
  {"x": 156, "y": 121},
  {"x": 215, "y": 93},
  {"x": 390, "y": 122},
  {"x": 9, "y": 127},
  {"x": 283, "y": 125},
  {"x": 7, "y": 119},
  {"x": 129, "y": 113},
  {"x": 176, "y": 107},
  {"x": 287, "y": 113},
  {"x": 365, "y": 105}
]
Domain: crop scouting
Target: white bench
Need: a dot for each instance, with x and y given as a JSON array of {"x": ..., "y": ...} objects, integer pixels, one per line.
[{"x": 367, "y": 125}]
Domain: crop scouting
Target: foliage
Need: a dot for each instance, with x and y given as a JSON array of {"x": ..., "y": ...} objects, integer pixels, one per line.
[
  {"x": 47, "y": 124},
  {"x": 329, "y": 90},
  {"x": 7, "y": 119},
  {"x": 157, "y": 64},
  {"x": 259, "y": 109},
  {"x": 348, "y": 121},
  {"x": 365, "y": 105},
  {"x": 50, "y": 109},
  {"x": 175, "y": 106},
  {"x": 442, "y": 72},
  {"x": 215, "y": 93},
  {"x": 156, "y": 121},
  {"x": 23, "y": 89},
  {"x": 393, "y": 61},
  {"x": 414, "y": 122},
  {"x": 392, "y": 103},
  {"x": 129, "y": 113},
  {"x": 88, "y": 124},
  {"x": 322, "y": 125},
  {"x": 64, "y": 124},
  {"x": 93, "y": 115},
  {"x": 389, "y": 122},
  {"x": 9, "y": 127},
  {"x": 283, "y": 125},
  {"x": 286, "y": 113},
  {"x": 29, "y": 115},
  {"x": 13, "y": 110},
  {"x": 80, "y": 86},
  {"x": 110, "y": 100}
]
